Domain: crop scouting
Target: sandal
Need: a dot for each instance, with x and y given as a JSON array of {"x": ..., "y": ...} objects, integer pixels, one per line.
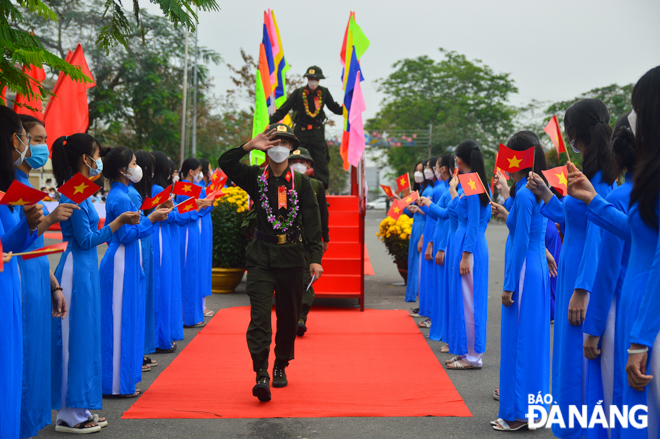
[
  {"x": 458, "y": 365},
  {"x": 166, "y": 351},
  {"x": 496, "y": 394},
  {"x": 101, "y": 421},
  {"x": 444, "y": 349},
  {"x": 496, "y": 421},
  {"x": 149, "y": 362},
  {"x": 146, "y": 368},
  {"x": 208, "y": 313},
  {"x": 425, "y": 324},
  {"x": 197, "y": 325},
  {"x": 453, "y": 359},
  {"x": 137, "y": 393},
  {"x": 88, "y": 426},
  {"x": 503, "y": 426}
]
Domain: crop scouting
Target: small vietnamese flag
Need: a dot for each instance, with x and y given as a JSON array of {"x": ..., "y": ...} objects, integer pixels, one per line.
[
  {"x": 471, "y": 184},
  {"x": 187, "y": 206},
  {"x": 48, "y": 250},
  {"x": 388, "y": 190},
  {"x": 506, "y": 177},
  {"x": 19, "y": 194},
  {"x": 395, "y": 211},
  {"x": 557, "y": 178},
  {"x": 215, "y": 195},
  {"x": 403, "y": 182},
  {"x": 159, "y": 199},
  {"x": 552, "y": 130},
  {"x": 187, "y": 189},
  {"x": 513, "y": 161},
  {"x": 410, "y": 198},
  {"x": 78, "y": 188}
]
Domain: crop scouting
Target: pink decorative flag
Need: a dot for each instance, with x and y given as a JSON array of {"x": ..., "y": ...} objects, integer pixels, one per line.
[{"x": 356, "y": 144}]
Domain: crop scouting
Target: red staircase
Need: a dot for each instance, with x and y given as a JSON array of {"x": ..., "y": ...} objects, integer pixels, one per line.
[{"x": 343, "y": 263}]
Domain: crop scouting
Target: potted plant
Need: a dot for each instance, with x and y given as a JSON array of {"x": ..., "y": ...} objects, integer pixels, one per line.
[
  {"x": 396, "y": 236},
  {"x": 228, "y": 242}
]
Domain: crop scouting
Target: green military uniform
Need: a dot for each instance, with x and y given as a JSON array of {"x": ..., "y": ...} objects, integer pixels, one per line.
[
  {"x": 273, "y": 266},
  {"x": 309, "y": 130},
  {"x": 319, "y": 191}
]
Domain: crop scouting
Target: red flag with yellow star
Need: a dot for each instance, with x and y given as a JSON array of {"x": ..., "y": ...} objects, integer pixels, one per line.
[
  {"x": 159, "y": 199},
  {"x": 387, "y": 190},
  {"x": 396, "y": 209},
  {"x": 187, "y": 189},
  {"x": 187, "y": 206},
  {"x": 78, "y": 188},
  {"x": 552, "y": 130},
  {"x": 497, "y": 168},
  {"x": 557, "y": 178},
  {"x": 403, "y": 182},
  {"x": 43, "y": 251},
  {"x": 19, "y": 194},
  {"x": 410, "y": 198},
  {"x": 513, "y": 161},
  {"x": 471, "y": 184}
]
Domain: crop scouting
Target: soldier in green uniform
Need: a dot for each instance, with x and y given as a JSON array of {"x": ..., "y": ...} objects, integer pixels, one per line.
[
  {"x": 308, "y": 118},
  {"x": 302, "y": 162},
  {"x": 284, "y": 203}
]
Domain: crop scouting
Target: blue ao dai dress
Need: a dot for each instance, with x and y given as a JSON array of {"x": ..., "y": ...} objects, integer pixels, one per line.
[
  {"x": 206, "y": 249},
  {"x": 412, "y": 281},
  {"x": 427, "y": 271},
  {"x": 442, "y": 226}
]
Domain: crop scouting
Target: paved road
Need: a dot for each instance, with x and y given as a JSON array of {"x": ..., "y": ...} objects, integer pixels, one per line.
[{"x": 475, "y": 386}]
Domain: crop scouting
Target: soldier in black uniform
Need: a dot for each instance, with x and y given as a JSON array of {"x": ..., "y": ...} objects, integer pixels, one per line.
[
  {"x": 302, "y": 162},
  {"x": 308, "y": 118},
  {"x": 284, "y": 203}
]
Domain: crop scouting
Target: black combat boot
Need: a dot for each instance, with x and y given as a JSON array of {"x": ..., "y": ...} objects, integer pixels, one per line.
[{"x": 262, "y": 389}]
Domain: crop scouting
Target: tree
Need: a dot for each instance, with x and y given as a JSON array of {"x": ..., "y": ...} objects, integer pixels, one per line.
[{"x": 462, "y": 99}]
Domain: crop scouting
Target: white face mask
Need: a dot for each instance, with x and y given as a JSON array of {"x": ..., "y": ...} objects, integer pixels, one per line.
[
  {"x": 299, "y": 167},
  {"x": 632, "y": 120},
  {"x": 20, "y": 159},
  {"x": 428, "y": 174},
  {"x": 278, "y": 153},
  {"x": 134, "y": 174},
  {"x": 199, "y": 177},
  {"x": 313, "y": 83},
  {"x": 419, "y": 177},
  {"x": 438, "y": 176},
  {"x": 175, "y": 178}
]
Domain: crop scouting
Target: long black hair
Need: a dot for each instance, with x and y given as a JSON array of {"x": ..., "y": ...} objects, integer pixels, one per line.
[
  {"x": 10, "y": 124},
  {"x": 417, "y": 186},
  {"x": 423, "y": 185},
  {"x": 206, "y": 168},
  {"x": 646, "y": 103},
  {"x": 470, "y": 152},
  {"x": 188, "y": 165},
  {"x": 522, "y": 141},
  {"x": 448, "y": 162},
  {"x": 162, "y": 169},
  {"x": 623, "y": 145},
  {"x": 66, "y": 154},
  {"x": 589, "y": 121},
  {"x": 117, "y": 159},
  {"x": 30, "y": 122},
  {"x": 147, "y": 163}
]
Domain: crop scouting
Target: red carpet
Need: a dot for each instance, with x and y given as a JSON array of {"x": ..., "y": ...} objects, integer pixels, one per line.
[{"x": 349, "y": 363}]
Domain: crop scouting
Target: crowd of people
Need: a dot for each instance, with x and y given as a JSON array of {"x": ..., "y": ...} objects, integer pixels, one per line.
[
  {"x": 587, "y": 261},
  {"x": 83, "y": 333}
]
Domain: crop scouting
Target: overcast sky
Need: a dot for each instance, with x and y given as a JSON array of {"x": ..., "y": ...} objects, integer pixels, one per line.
[{"x": 553, "y": 49}]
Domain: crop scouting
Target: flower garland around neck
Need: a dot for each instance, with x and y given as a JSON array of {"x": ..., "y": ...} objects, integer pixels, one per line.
[
  {"x": 319, "y": 94},
  {"x": 293, "y": 202}
]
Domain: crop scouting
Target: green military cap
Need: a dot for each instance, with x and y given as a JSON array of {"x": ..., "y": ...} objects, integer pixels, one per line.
[
  {"x": 314, "y": 72},
  {"x": 301, "y": 153},
  {"x": 286, "y": 131}
]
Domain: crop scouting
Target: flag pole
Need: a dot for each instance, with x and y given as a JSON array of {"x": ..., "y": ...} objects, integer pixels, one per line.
[
  {"x": 484, "y": 186},
  {"x": 194, "y": 121}
]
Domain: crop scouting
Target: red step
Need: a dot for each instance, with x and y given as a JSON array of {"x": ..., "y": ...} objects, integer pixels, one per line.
[
  {"x": 344, "y": 234},
  {"x": 341, "y": 265},
  {"x": 343, "y": 250},
  {"x": 338, "y": 282},
  {"x": 343, "y": 202},
  {"x": 343, "y": 218}
]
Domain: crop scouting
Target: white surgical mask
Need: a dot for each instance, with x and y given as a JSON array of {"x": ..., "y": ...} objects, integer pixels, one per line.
[
  {"x": 632, "y": 120},
  {"x": 572, "y": 143},
  {"x": 175, "y": 178},
  {"x": 134, "y": 174},
  {"x": 198, "y": 177},
  {"x": 20, "y": 159},
  {"x": 419, "y": 177},
  {"x": 428, "y": 174},
  {"x": 437, "y": 175},
  {"x": 278, "y": 153},
  {"x": 313, "y": 83},
  {"x": 299, "y": 167}
]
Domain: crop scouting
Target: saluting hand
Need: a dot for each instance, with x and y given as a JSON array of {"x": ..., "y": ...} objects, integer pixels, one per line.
[{"x": 263, "y": 142}]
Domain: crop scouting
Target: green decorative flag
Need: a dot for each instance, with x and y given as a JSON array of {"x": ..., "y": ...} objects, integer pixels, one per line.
[
  {"x": 260, "y": 120},
  {"x": 360, "y": 41}
]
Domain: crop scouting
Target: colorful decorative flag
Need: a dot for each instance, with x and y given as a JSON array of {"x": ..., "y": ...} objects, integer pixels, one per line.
[
  {"x": 557, "y": 177},
  {"x": 78, "y": 188},
  {"x": 19, "y": 194},
  {"x": 43, "y": 251},
  {"x": 471, "y": 184},
  {"x": 281, "y": 63},
  {"x": 21, "y": 103},
  {"x": 356, "y": 145},
  {"x": 513, "y": 161},
  {"x": 360, "y": 41},
  {"x": 187, "y": 189},
  {"x": 387, "y": 190},
  {"x": 410, "y": 198},
  {"x": 403, "y": 182},
  {"x": 187, "y": 206},
  {"x": 67, "y": 111},
  {"x": 159, "y": 199},
  {"x": 552, "y": 129},
  {"x": 506, "y": 177},
  {"x": 395, "y": 210}
]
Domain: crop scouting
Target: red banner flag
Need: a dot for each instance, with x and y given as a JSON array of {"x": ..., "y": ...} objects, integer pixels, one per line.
[
  {"x": 387, "y": 190},
  {"x": 43, "y": 251},
  {"x": 395, "y": 210},
  {"x": 403, "y": 182},
  {"x": 19, "y": 194},
  {"x": 159, "y": 199},
  {"x": 506, "y": 177},
  {"x": 37, "y": 75},
  {"x": 218, "y": 180},
  {"x": 552, "y": 129},
  {"x": 78, "y": 188},
  {"x": 410, "y": 198},
  {"x": 187, "y": 189},
  {"x": 471, "y": 184},
  {"x": 513, "y": 161},
  {"x": 215, "y": 195},
  {"x": 557, "y": 178},
  {"x": 187, "y": 206}
]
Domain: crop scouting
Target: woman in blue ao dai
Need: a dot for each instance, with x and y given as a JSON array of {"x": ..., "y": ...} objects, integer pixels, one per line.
[
  {"x": 426, "y": 259},
  {"x": 414, "y": 245},
  {"x": 206, "y": 240},
  {"x": 123, "y": 280}
]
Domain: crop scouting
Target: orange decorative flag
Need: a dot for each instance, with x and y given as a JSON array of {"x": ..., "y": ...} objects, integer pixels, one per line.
[
  {"x": 410, "y": 199},
  {"x": 187, "y": 189},
  {"x": 513, "y": 161},
  {"x": 78, "y": 188},
  {"x": 471, "y": 184},
  {"x": 48, "y": 250},
  {"x": 552, "y": 130},
  {"x": 395, "y": 210},
  {"x": 19, "y": 194},
  {"x": 506, "y": 177},
  {"x": 557, "y": 178},
  {"x": 403, "y": 182},
  {"x": 388, "y": 190},
  {"x": 159, "y": 199},
  {"x": 187, "y": 206}
]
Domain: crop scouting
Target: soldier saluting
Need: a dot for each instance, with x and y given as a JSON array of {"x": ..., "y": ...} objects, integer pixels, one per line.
[
  {"x": 308, "y": 118},
  {"x": 284, "y": 203}
]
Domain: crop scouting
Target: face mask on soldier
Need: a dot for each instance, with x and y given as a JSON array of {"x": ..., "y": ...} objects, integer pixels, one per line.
[{"x": 313, "y": 83}]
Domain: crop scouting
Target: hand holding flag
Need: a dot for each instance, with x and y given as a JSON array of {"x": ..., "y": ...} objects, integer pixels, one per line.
[
  {"x": 19, "y": 194},
  {"x": 403, "y": 182},
  {"x": 557, "y": 177},
  {"x": 187, "y": 189},
  {"x": 159, "y": 199},
  {"x": 78, "y": 188},
  {"x": 513, "y": 161},
  {"x": 387, "y": 190},
  {"x": 409, "y": 199}
]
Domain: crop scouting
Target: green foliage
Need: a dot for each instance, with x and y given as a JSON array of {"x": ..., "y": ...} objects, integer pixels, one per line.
[
  {"x": 228, "y": 242},
  {"x": 338, "y": 180},
  {"x": 617, "y": 99}
]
